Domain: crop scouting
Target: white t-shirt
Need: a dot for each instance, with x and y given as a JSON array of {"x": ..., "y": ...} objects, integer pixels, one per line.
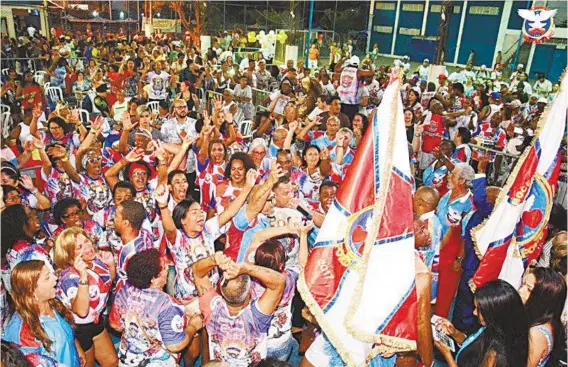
[
  {"x": 316, "y": 111},
  {"x": 158, "y": 85}
]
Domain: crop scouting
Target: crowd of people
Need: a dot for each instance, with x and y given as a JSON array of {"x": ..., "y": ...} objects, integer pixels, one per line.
[{"x": 162, "y": 231}]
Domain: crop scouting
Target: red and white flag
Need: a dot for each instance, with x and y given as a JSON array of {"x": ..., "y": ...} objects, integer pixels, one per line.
[
  {"x": 359, "y": 281},
  {"x": 515, "y": 232}
]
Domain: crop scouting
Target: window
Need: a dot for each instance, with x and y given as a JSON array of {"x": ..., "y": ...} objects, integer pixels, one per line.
[
  {"x": 484, "y": 10},
  {"x": 386, "y": 6},
  {"x": 438, "y": 9},
  {"x": 409, "y": 31},
  {"x": 383, "y": 29},
  {"x": 413, "y": 7}
]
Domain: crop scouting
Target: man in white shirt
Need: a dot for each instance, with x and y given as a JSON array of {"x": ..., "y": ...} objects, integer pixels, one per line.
[
  {"x": 322, "y": 105},
  {"x": 542, "y": 87},
  {"x": 514, "y": 74},
  {"x": 424, "y": 70},
  {"x": 458, "y": 76},
  {"x": 328, "y": 88},
  {"x": 159, "y": 83}
]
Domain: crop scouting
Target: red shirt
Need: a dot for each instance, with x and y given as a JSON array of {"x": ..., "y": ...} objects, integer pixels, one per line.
[{"x": 430, "y": 142}]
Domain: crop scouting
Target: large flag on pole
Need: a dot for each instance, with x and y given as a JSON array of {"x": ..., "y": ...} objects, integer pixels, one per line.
[
  {"x": 514, "y": 234},
  {"x": 359, "y": 279}
]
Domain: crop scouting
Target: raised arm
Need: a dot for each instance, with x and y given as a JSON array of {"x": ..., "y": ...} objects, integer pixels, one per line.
[
  {"x": 161, "y": 194},
  {"x": 80, "y": 304},
  {"x": 201, "y": 269},
  {"x": 43, "y": 202},
  {"x": 233, "y": 208},
  {"x": 273, "y": 281},
  {"x": 306, "y": 129},
  {"x": 36, "y": 113},
  {"x": 262, "y": 192},
  {"x": 290, "y": 135},
  {"x": 112, "y": 174},
  {"x": 127, "y": 126},
  {"x": 60, "y": 152}
]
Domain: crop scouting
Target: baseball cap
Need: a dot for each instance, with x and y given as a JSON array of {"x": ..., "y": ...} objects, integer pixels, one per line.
[
  {"x": 102, "y": 88},
  {"x": 442, "y": 76},
  {"x": 515, "y": 103},
  {"x": 521, "y": 66},
  {"x": 542, "y": 100},
  {"x": 495, "y": 95},
  {"x": 354, "y": 60}
]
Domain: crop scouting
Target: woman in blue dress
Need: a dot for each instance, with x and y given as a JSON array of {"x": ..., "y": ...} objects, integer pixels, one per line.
[
  {"x": 543, "y": 292},
  {"x": 502, "y": 340},
  {"x": 41, "y": 324}
]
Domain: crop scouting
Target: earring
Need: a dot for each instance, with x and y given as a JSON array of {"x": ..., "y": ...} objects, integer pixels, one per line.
[{"x": 35, "y": 298}]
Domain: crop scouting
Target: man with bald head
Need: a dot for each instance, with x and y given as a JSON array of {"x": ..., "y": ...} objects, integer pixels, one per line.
[
  {"x": 428, "y": 243},
  {"x": 484, "y": 198},
  {"x": 278, "y": 138},
  {"x": 237, "y": 325}
]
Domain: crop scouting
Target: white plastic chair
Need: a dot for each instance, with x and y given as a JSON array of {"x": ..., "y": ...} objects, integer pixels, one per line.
[
  {"x": 6, "y": 123},
  {"x": 154, "y": 106},
  {"x": 4, "y": 108},
  {"x": 5, "y": 72},
  {"x": 55, "y": 94},
  {"x": 245, "y": 128},
  {"x": 84, "y": 116},
  {"x": 39, "y": 77},
  {"x": 46, "y": 85}
]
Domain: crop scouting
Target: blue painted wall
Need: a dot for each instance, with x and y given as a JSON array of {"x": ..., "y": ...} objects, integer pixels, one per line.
[
  {"x": 480, "y": 33},
  {"x": 383, "y": 18},
  {"x": 433, "y": 22},
  {"x": 549, "y": 60},
  {"x": 408, "y": 19},
  {"x": 515, "y": 21}
]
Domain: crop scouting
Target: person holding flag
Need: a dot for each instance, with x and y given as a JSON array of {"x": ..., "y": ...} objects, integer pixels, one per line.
[
  {"x": 514, "y": 234},
  {"x": 359, "y": 281}
]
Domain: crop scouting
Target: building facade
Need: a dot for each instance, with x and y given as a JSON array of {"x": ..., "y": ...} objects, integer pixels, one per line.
[{"x": 483, "y": 27}]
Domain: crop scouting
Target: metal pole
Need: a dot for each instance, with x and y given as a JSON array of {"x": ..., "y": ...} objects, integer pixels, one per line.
[
  {"x": 224, "y": 12},
  {"x": 370, "y": 26},
  {"x": 109, "y": 10},
  {"x": 266, "y": 18},
  {"x": 334, "y": 18},
  {"x": 309, "y": 31}
]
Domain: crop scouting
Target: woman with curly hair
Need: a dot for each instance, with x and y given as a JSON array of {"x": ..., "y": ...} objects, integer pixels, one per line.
[{"x": 41, "y": 323}]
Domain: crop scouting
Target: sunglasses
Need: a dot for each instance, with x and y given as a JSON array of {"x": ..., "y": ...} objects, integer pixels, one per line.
[
  {"x": 95, "y": 159},
  {"x": 75, "y": 214}
]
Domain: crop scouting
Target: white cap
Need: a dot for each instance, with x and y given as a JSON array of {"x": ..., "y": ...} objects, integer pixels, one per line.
[
  {"x": 354, "y": 60},
  {"x": 426, "y": 60},
  {"x": 542, "y": 100},
  {"x": 515, "y": 103},
  {"x": 483, "y": 67},
  {"x": 521, "y": 66}
]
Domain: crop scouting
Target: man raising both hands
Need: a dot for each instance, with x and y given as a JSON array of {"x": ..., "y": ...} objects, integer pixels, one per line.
[{"x": 233, "y": 310}]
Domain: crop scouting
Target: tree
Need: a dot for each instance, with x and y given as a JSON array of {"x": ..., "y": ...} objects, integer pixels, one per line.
[{"x": 190, "y": 14}]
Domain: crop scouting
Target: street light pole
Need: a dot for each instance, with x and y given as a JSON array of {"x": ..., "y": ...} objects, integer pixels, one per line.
[
  {"x": 370, "y": 26},
  {"x": 311, "y": 18}
]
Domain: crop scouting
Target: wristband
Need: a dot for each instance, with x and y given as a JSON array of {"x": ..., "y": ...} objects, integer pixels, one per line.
[
  {"x": 83, "y": 282},
  {"x": 65, "y": 159},
  {"x": 34, "y": 191}
]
